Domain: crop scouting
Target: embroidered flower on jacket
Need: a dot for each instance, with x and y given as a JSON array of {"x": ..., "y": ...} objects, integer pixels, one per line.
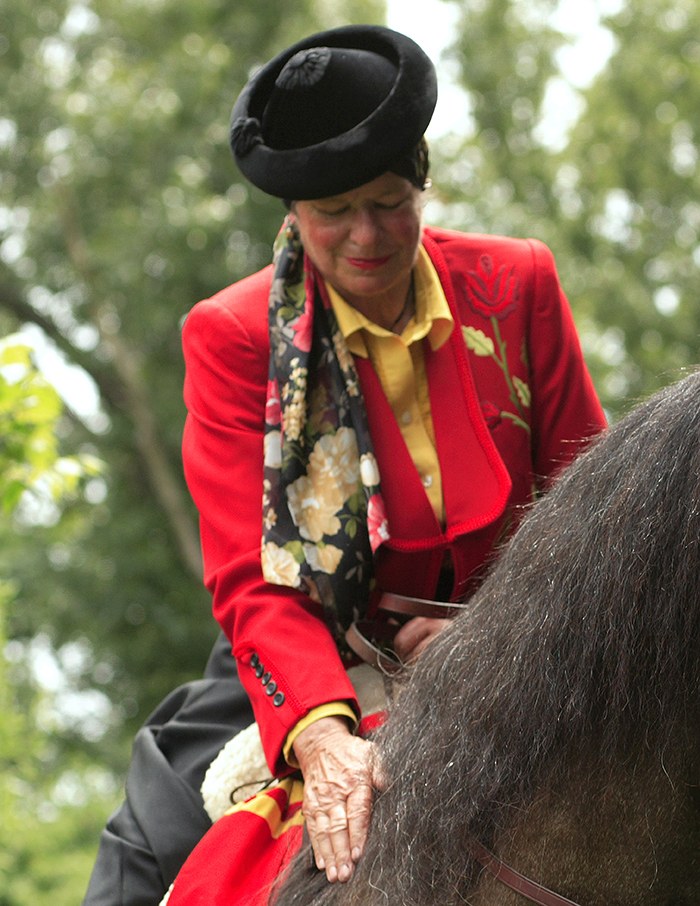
[
  {"x": 332, "y": 477},
  {"x": 491, "y": 293},
  {"x": 279, "y": 566},
  {"x": 492, "y": 414},
  {"x": 377, "y": 522}
]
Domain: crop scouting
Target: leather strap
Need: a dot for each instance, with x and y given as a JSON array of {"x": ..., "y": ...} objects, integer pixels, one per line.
[
  {"x": 418, "y": 607},
  {"x": 533, "y": 891},
  {"x": 371, "y": 639},
  {"x": 365, "y": 638}
]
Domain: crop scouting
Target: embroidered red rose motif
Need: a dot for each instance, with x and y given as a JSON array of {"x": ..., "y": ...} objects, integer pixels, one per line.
[
  {"x": 490, "y": 292},
  {"x": 492, "y": 414}
]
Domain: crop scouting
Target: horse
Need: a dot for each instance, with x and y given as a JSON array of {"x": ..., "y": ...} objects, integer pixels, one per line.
[{"x": 554, "y": 727}]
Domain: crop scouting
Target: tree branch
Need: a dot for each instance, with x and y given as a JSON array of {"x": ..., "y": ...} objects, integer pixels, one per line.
[{"x": 126, "y": 392}]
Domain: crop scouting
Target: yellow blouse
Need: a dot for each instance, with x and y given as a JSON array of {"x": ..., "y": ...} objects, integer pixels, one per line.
[{"x": 400, "y": 366}]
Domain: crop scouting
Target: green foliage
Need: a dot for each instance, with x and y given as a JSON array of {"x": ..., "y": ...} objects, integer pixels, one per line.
[
  {"x": 51, "y": 805},
  {"x": 29, "y": 410},
  {"x": 617, "y": 203},
  {"x": 120, "y": 207}
]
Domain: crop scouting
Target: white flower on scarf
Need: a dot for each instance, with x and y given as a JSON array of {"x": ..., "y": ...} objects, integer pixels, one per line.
[
  {"x": 323, "y": 559},
  {"x": 369, "y": 470},
  {"x": 294, "y": 396},
  {"x": 346, "y": 363},
  {"x": 332, "y": 477},
  {"x": 279, "y": 566},
  {"x": 273, "y": 450}
]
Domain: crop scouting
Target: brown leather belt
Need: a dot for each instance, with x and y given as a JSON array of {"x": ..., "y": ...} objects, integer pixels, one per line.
[
  {"x": 533, "y": 891},
  {"x": 371, "y": 639}
]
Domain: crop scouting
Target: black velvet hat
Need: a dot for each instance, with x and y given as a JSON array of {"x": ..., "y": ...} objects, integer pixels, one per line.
[{"x": 333, "y": 112}]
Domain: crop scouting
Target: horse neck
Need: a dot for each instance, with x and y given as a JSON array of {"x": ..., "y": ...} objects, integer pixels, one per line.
[{"x": 626, "y": 835}]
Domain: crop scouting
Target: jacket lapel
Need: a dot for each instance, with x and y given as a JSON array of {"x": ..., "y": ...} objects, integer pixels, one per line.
[{"x": 476, "y": 484}]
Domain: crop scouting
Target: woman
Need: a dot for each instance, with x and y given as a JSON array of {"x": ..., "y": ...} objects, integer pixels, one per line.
[
  {"x": 391, "y": 394},
  {"x": 386, "y": 396}
]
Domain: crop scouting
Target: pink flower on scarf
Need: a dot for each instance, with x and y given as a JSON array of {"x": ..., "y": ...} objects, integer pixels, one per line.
[
  {"x": 377, "y": 522},
  {"x": 303, "y": 329},
  {"x": 273, "y": 412}
]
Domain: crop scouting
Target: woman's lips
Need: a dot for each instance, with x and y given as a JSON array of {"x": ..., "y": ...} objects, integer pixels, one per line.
[{"x": 369, "y": 264}]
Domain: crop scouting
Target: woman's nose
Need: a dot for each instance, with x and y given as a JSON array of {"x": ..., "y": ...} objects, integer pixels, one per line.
[{"x": 365, "y": 227}]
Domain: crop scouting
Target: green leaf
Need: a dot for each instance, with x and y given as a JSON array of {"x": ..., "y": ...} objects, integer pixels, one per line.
[
  {"x": 477, "y": 341},
  {"x": 524, "y": 394},
  {"x": 296, "y": 549},
  {"x": 15, "y": 354}
]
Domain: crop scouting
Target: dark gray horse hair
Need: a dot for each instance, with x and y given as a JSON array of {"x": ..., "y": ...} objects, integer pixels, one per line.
[{"x": 585, "y": 638}]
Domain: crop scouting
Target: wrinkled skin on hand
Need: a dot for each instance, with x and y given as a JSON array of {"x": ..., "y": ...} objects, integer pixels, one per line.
[
  {"x": 340, "y": 772},
  {"x": 339, "y": 776}
]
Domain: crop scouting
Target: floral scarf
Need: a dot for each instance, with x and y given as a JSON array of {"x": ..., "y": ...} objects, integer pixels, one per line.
[{"x": 323, "y": 513}]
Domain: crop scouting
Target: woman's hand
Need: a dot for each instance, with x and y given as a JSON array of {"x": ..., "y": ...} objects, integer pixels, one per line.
[
  {"x": 339, "y": 774},
  {"x": 412, "y": 638}
]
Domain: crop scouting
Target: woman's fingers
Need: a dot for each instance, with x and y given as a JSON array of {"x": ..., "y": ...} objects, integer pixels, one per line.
[
  {"x": 338, "y": 775},
  {"x": 412, "y": 638},
  {"x": 359, "y": 811}
]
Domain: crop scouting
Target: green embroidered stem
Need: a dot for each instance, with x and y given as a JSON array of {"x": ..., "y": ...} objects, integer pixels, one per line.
[
  {"x": 503, "y": 364},
  {"x": 516, "y": 420}
]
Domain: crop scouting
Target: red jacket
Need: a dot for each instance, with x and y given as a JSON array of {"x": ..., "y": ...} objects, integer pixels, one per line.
[{"x": 510, "y": 405}]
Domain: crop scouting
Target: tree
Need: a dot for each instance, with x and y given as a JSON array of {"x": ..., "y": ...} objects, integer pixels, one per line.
[
  {"x": 50, "y": 807},
  {"x": 120, "y": 207},
  {"x": 617, "y": 203}
]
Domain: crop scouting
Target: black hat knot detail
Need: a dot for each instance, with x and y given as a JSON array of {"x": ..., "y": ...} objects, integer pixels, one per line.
[
  {"x": 245, "y": 134},
  {"x": 304, "y": 69}
]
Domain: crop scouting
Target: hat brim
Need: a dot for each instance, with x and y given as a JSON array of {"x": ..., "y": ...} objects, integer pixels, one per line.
[{"x": 359, "y": 155}]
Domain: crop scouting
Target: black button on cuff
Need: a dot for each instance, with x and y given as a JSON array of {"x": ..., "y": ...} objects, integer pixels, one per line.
[
  {"x": 278, "y": 699},
  {"x": 266, "y": 678},
  {"x": 259, "y": 670},
  {"x": 254, "y": 660},
  {"x": 271, "y": 688}
]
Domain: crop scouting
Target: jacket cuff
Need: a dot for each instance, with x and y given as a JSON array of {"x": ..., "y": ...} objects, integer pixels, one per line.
[{"x": 332, "y": 709}]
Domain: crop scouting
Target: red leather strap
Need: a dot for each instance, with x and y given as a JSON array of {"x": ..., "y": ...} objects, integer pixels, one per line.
[{"x": 533, "y": 891}]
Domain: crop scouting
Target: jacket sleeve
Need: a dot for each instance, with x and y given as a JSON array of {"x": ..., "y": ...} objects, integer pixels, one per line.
[
  {"x": 288, "y": 661},
  {"x": 566, "y": 411}
]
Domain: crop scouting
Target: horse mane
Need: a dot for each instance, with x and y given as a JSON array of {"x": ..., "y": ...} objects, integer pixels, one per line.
[{"x": 583, "y": 639}]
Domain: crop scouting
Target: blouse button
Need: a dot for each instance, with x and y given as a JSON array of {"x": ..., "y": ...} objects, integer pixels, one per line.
[
  {"x": 407, "y": 418},
  {"x": 427, "y": 481},
  {"x": 278, "y": 699}
]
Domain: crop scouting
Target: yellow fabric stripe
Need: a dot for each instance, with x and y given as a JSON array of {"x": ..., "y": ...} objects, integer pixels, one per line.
[
  {"x": 265, "y": 806},
  {"x": 332, "y": 709}
]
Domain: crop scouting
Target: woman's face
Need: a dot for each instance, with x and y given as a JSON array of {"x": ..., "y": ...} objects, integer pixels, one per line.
[{"x": 365, "y": 242}]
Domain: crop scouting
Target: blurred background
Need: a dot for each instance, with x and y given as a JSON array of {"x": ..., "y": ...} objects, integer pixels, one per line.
[{"x": 120, "y": 207}]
